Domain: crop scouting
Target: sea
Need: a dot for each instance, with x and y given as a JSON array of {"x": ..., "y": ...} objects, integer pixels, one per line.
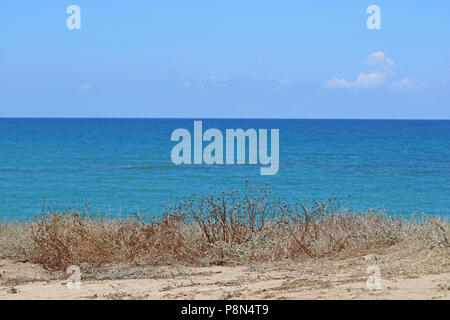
[{"x": 118, "y": 167}]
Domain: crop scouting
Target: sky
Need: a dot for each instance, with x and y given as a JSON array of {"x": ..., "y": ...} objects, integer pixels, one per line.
[{"x": 225, "y": 59}]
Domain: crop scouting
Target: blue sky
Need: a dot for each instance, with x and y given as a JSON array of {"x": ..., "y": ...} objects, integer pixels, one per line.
[{"x": 257, "y": 59}]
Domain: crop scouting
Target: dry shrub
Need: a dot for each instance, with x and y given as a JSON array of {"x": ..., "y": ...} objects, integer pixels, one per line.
[
  {"x": 63, "y": 239},
  {"x": 231, "y": 218},
  {"x": 320, "y": 230},
  {"x": 378, "y": 227},
  {"x": 223, "y": 227},
  {"x": 236, "y": 225}
]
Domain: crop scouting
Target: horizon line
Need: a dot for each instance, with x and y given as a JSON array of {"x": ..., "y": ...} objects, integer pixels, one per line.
[{"x": 231, "y": 118}]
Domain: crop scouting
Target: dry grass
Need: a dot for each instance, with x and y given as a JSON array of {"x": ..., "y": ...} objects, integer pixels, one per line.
[
  {"x": 221, "y": 228},
  {"x": 15, "y": 240}
]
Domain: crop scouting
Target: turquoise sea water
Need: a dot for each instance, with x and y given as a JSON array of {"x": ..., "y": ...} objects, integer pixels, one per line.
[{"x": 124, "y": 165}]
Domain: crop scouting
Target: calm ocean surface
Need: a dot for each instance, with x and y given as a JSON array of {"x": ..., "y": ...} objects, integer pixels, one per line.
[{"x": 124, "y": 165}]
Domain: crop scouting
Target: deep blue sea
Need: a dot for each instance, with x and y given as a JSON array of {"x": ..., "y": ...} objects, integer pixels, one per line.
[{"x": 124, "y": 165}]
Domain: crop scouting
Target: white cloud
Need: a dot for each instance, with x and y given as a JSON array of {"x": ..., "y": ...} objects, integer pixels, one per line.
[
  {"x": 380, "y": 58},
  {"x": 338, "y": 83},
  {"x": 193, "y": 84},
  {"x": 383, "y": 71},
  {"x": 212, "y": 80},
  {"x": 218, "y": 78},
  {"x": 284, "y": 82},
  {"x": 363, "y": 80},
  {"x": 366, "y": 80},
  {"x": 281, "y": 84},
  {"x": 408, "y": 83},
  {"x": 86, "y": 86}
]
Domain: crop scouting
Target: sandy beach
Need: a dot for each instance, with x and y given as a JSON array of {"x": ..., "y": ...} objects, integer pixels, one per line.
[{"x": 424, "y": 275}]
